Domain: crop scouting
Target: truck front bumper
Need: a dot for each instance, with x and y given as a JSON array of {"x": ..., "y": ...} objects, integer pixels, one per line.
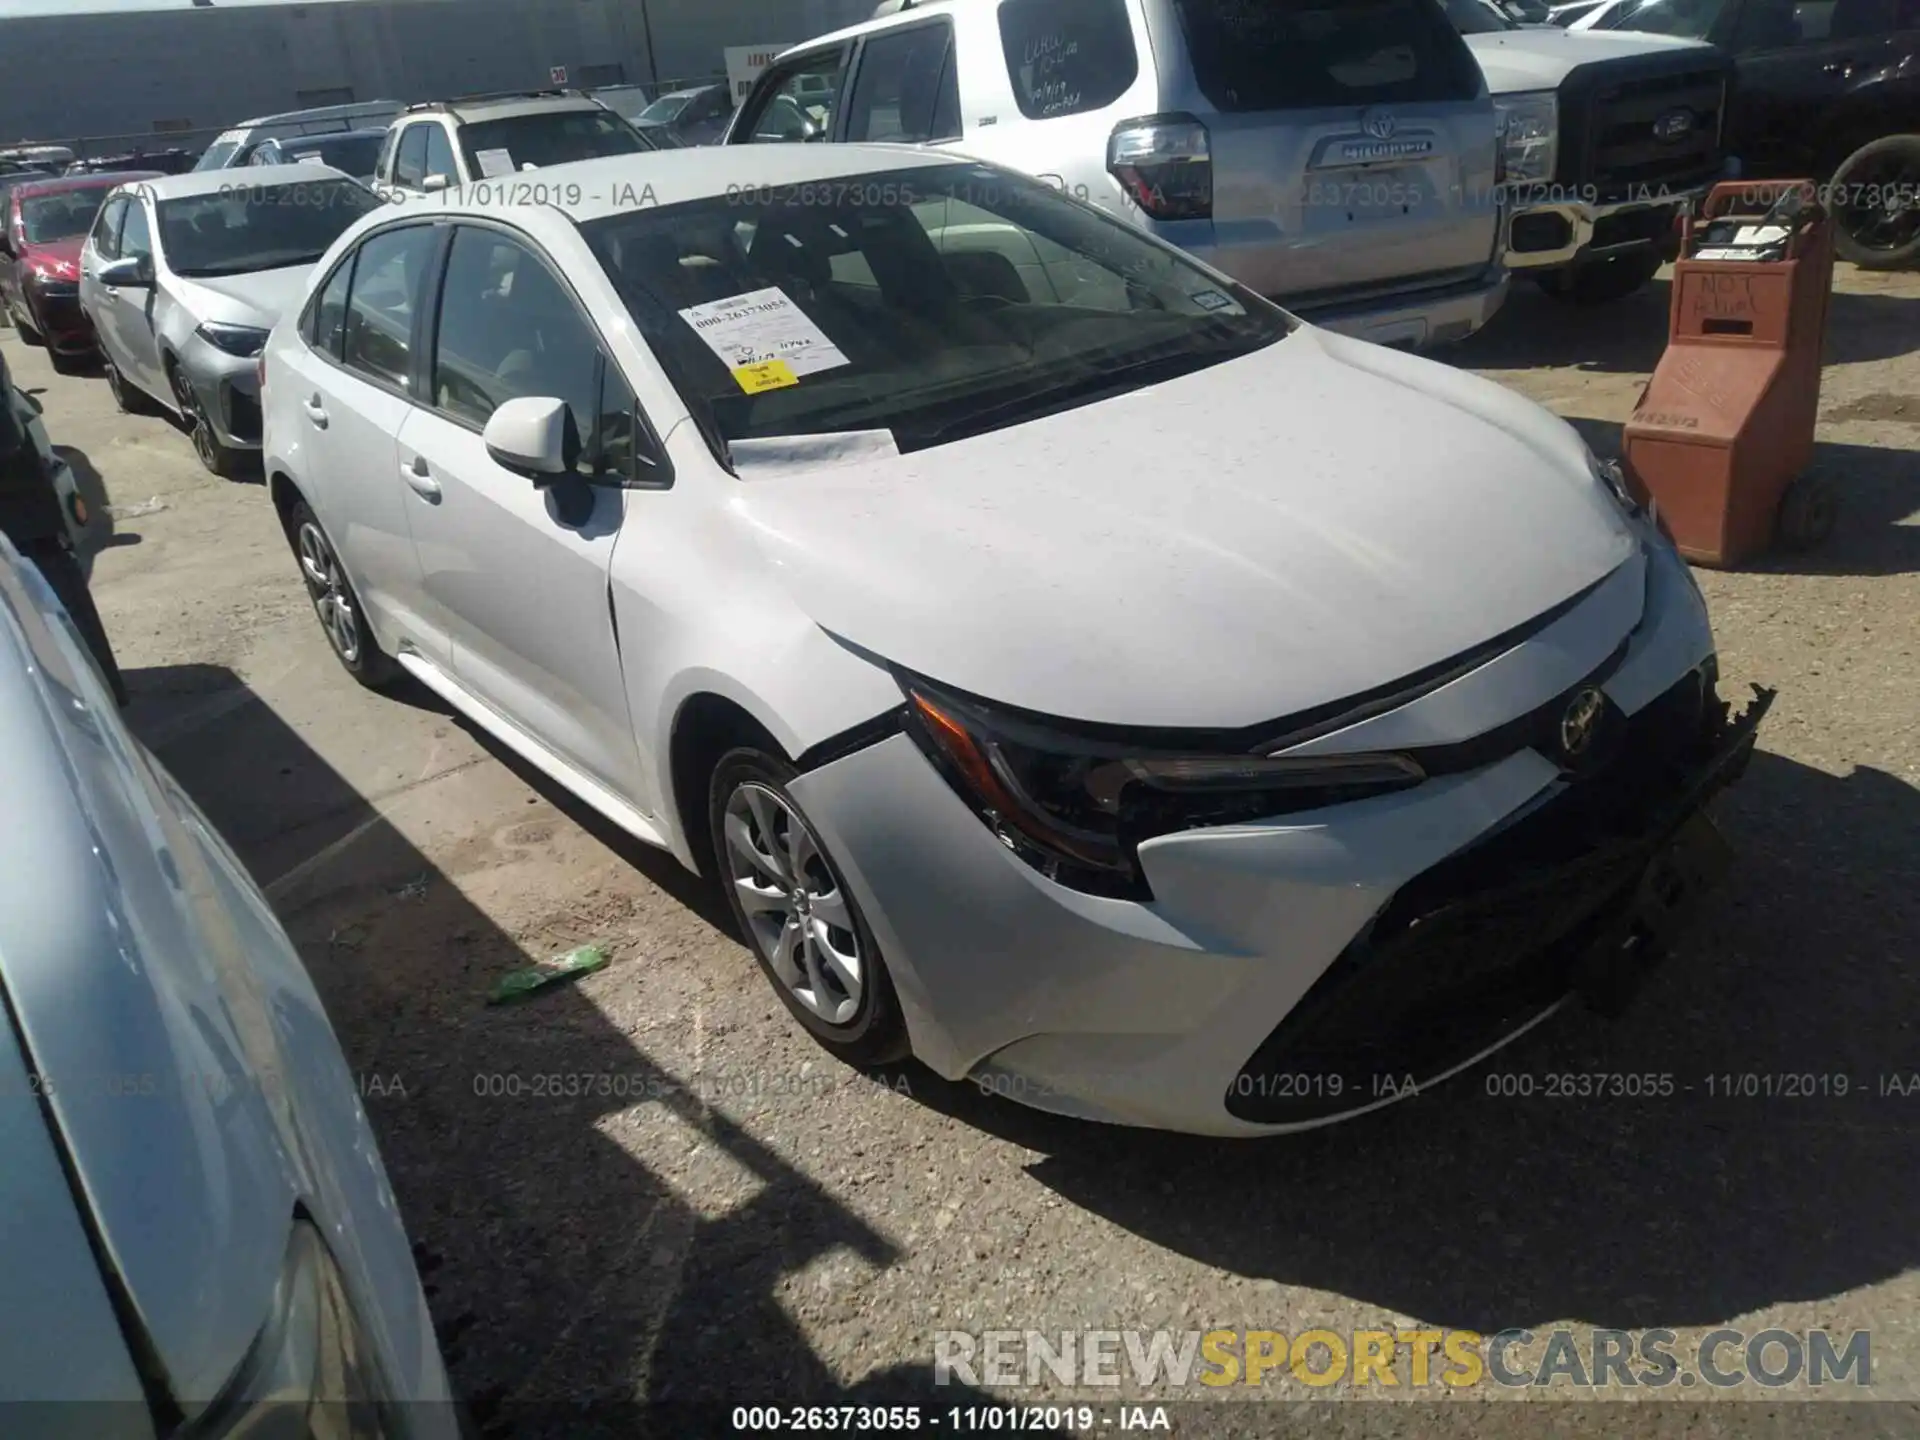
[{"x": 1555, "y": 234}]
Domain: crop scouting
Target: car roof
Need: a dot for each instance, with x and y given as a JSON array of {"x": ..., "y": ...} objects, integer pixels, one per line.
[
  {"x": 588, "y": 190},
  {"x": 350, "y": 111},
  {"x": 873, "y": 25},
  {"x": 213, "y": 182},
  {"x": 92, "y": 180},
  {"x": 324, "y": 137}
]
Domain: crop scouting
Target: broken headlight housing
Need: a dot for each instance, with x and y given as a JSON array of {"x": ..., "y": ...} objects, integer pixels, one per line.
[
  {"x": 1076, "y": 806},
  {"x": 310, "y": 1374}
]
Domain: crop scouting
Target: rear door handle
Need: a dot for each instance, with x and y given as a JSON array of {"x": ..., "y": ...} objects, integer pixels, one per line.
[
  {"x": 420, "y": 479},
  {"x": 316, "y": 412}
]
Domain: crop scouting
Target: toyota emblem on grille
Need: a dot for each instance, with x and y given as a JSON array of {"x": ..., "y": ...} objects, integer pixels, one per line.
[
  {"x": 1581, "y": 722},
  {"x": 1378, "y": 124},
  {"x": 1673, "y": 125}
]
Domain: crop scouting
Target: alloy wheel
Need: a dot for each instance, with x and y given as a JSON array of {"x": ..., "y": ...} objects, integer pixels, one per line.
[
  {"x": 195, "y": 414},
  {"x": 798, "y": 916},
  {"x": 332, "y": 601}
]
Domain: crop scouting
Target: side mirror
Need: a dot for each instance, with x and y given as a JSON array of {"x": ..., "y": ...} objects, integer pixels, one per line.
[
  {"x": 533, "y": 436},
  {"x": 133, "y": 273},
  {"x": 433, "y": 184}
]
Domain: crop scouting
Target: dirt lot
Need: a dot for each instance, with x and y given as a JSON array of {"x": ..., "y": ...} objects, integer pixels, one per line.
[{"x": 698, "y": 1204}]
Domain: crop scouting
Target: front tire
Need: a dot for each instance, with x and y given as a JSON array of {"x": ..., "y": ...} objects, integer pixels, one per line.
[
  {"x": 796, "y": 913},
  {"x": 219, "y": 459},
  {"x": 342, "y": 618},
  {"x": 1877, "y": 204},
  {"x": 129, "y": 398}
]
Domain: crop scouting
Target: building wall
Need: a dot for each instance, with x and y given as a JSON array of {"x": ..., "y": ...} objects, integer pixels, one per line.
[{"x": 68, "y": 76}]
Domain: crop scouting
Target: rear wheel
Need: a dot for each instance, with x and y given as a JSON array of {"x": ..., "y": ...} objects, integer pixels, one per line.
[
  {"x": 341, "y": 617},
  {"x": 796, "y": 913},
  {"x": 130, "y": 398},
  {"x": 1876, "y": 204},
  {"x": 1601, "y": 282}
]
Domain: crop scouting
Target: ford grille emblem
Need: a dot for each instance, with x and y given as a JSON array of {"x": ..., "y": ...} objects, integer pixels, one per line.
[
  {"x": 1673, "y": 125},
  {"x": 1378, "y": 124},
  {"x": 1581, "y": 722}
]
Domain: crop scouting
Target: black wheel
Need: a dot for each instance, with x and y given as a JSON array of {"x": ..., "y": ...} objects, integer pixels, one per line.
[
  {"x": 66, "y": 364},
  {"x": 1876, "y": 204},
  {"x": 130, "y": 398},
  {"x": 222, "y": 460},
  {"x": 803, "y": 924},
  {"x": 1807, "y": 513},
  {"x": 23, "y": 327},
  {"x": 1601, "y": 282},
  {"x": 334, "y": 602}
]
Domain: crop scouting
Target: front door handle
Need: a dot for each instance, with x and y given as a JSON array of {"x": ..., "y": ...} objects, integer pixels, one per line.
[
  {"x": 420, "y": 479},
  {"x": 316, "y": 412}
]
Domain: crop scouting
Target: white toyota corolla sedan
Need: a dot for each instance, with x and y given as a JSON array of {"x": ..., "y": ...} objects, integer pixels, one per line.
[{"x": 1076, "y": 670}]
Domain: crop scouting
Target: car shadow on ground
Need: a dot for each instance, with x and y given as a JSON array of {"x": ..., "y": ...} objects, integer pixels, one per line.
[
  {"x": 1879, "y": 489},
  {"x": 564, "y": 1276},
  {"x": 1533, "y": 330},
  {"x": 1472, "y": 1206}
]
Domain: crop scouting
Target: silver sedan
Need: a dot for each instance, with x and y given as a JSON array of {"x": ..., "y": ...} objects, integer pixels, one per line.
[{"x": 184, "y": 276}]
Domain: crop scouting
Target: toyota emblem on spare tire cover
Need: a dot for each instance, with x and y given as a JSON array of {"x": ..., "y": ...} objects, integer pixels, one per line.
[{"x": 1581, "y": 722}]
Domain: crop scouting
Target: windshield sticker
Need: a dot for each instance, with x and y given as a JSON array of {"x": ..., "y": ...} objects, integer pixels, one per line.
[
  {"x": 767, "y": 375},
  {"x": 763, "y": 327},
  {"x": 1214, "y": 300},
  {"x": 493, "y": 162}
]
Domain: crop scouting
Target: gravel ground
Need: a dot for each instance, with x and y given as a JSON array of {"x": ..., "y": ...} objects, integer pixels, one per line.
[{"x": 652, "y": 1186}]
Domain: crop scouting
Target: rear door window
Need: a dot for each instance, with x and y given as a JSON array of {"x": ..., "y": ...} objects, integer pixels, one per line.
[
  {"x": 1066, "y": 57},
  {"x": 378, "y": 331},
  {"x": 1251, "y": 55},
  {"x": 905, "y": 89}
]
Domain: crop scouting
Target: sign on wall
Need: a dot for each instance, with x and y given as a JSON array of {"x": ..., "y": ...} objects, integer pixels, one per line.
[
  {"x": 744, "y": 64},
  {"x": 557, "y": 75}
]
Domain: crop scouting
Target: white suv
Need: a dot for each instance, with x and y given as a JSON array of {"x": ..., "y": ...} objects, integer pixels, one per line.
[
  {"x": 1336, "y": 157},
  {"x": 445, "y": 143}
]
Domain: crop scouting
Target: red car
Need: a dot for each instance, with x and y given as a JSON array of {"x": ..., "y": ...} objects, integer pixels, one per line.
[{"x": 43, "y": 223}]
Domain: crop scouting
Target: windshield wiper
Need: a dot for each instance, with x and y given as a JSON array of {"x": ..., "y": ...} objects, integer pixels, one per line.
[{"x": 1101, "y": 384}]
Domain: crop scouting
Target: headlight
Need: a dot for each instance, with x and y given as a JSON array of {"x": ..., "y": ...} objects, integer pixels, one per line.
[
  {"x": 1077, "y": 807},
  {"x": 53, "y": 286},
  {"x": 243, "y": 341},
  {"x": 308, "y": 1375},
  {"x": 1530, "y": 128}
]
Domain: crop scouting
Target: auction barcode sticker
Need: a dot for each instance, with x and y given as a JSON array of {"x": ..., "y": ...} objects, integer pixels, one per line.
[{"x": 758, "y": 330}]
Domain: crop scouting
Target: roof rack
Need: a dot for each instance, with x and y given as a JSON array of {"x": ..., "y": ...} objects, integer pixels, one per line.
[{"x": 484, "y": 97}]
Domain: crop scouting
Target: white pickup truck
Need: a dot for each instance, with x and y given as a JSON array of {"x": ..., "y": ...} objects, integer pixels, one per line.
[{"x": 1607, "y": 137}]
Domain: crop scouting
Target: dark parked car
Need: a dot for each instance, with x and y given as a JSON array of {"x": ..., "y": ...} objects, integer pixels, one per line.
[
  {"x": 351, "y": 152},
  {"x": 44, "y": 221},
  {"x": 694, "y": 116},
  {"x": 1827, "y": 88}
]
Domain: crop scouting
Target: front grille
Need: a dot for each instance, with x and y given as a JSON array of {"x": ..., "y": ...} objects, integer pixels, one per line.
[
  {"x": 1469, "y": 950},
  {"x": 1608, "y": 129}
]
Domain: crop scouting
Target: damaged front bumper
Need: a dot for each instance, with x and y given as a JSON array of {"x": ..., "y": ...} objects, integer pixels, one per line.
[{"x": 1580, "y": 894}]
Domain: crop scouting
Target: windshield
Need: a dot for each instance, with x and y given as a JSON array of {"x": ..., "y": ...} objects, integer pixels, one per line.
[
  {"x": 665, "y": 108},
  {"x": 1477, "y": 17},
  {"x": 934, "y": 302},
  {"x": 550, "y": 137},
  {"x": 1688, "y": 19},
  {"x": 216, "y": 155},
  {"x": 259, "y": 227},
  {"x": 61, "y": 215},
  {"x": 353, "y": 154}
]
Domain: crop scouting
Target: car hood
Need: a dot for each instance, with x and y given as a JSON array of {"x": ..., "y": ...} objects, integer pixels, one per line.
[
  {"x": 1285, "y": 530},
  {"x": 1540, "y": 58},
  {"x": 256, "y": 298},
  {"x": 59, "y": 258}
]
